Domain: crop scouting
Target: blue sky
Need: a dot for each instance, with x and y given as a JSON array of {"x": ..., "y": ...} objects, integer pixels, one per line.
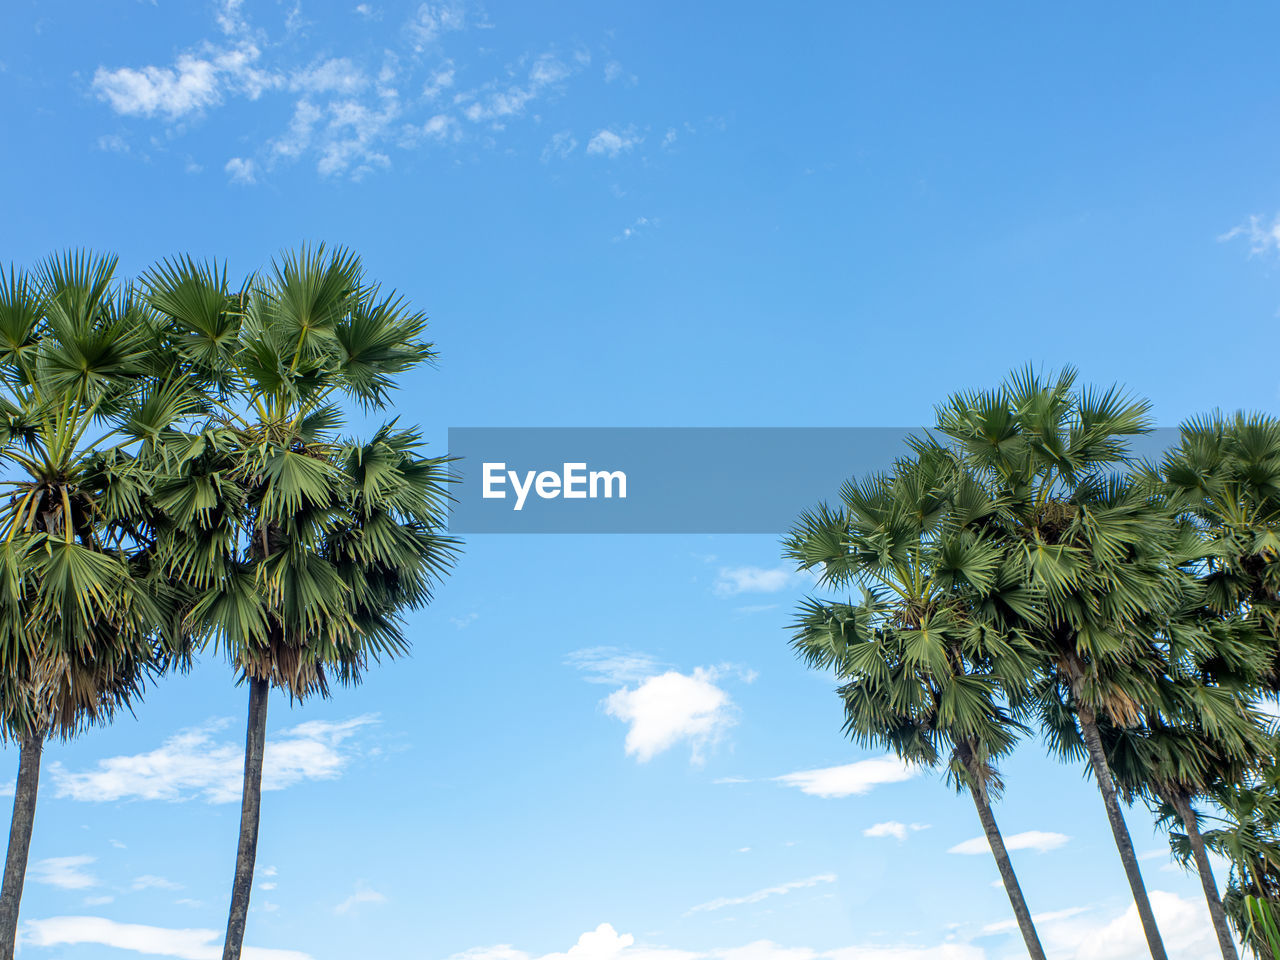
[{"x": 642, "y": 215}]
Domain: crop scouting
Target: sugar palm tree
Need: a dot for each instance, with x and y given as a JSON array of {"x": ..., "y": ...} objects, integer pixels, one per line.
[
  {"x": 1204, "y": 737},
  {"x": 927, "y": 660},
  {"x": 82, "y": 624},
  {"x": 1223, "y": 476},
  {"x": 303, "y": 549},
  {"x": 1104, "y": 555}
]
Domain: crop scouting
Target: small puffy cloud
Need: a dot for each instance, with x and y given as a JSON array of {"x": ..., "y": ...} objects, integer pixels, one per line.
[
  {"x": 611, "y": 143},
  {"x": 140, "y": 938},
  {"x": 1037, "y": 840},
  {"x": 640, "y": 223},
  {"x": 195, "y": 764},
  {"x": 892, "y": 828},
  {"x": 66, "y": 873},
  {"x": 850, "y": 779},
  {"x": 241, "y": 170},
  {"x": 670, "y": 708},
  {"x": 780, "y": 890}
]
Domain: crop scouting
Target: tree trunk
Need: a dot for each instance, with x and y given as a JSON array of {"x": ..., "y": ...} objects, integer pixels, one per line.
[
  {"x": 1102, "y": 774},
  {"x": 1005, "y": 866},
  {"x": 15, "y": 864},
  {"x": 1188, "y": 817},
  {"x": 250, "y": 811}
]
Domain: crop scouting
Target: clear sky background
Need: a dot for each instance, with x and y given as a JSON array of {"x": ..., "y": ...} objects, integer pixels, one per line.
[{"x": 657, "y": 214}]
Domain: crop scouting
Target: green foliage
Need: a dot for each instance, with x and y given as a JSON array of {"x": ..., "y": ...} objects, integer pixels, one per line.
[
  {"x": 83, "y": 623},
  {"x": 301, "y": 548}
]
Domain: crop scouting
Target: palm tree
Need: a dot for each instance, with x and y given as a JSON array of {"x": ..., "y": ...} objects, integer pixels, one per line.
[
  {"x": 1100, "y": 551},
  {"x": 1223, "y": 477},
  {"x": 82, "y": 623},
  {"x": 1205, "y": 737},
  {"x": 302, "y": 549},
  {"x": 927, "y": 657}
]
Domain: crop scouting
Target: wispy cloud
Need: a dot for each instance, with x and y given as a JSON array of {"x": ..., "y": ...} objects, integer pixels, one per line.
[
  {"x": 1040, "y": 841},
  {"x": 351, "y": 111},
  {"x": 780, "y": 890},
  {"x": 194, "y": 763},
  {"x": 613, "y": 665},
  {"x": 1263, "y": 235},
  {"x": 731, "y": 581},
  {"x": 149, "y": 881},
  {"x": 850, "y": 779},
  {"x": 363, "y": 894},
  {"x": 67, "y": 873},
  {"x": 185, "y": 944}
]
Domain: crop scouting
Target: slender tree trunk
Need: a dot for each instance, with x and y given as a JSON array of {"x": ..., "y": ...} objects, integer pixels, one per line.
[
  {"x": 1005, "y": 866},
  {"x": 1188, "y": 817},
  {"x": 15, "y": 864},
  {"x": 1124, "y": 843},
  {"x": 250, "y": 811}
]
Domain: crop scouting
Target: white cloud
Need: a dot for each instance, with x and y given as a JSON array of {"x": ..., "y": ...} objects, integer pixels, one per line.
[
  {"x": 731, "y": 581},
  {"x": 1082, "y": 934},
  {"x": 68, "y": 873},
  {"x": 780, "y": 890},
  {"x": 672, "y": 707},
  {"x": 893, "y": 828},
  {"x": 850, "y": 779},
  {"x": 1004, "y": 926},
  {"x": 434, "y": 19},
  {"x": 560, "y": 145},
  {"x": 611, "y": 143},
  {"x": 441, "y": 80},
  {"x": 496, "y": 102},
  {"x": 349, "y": 111},
  {"x": 639, "y": 224},
  {"x": 1263, "y": 236},
  {"x": 195, "y": 82},
  {"x": 241, "y": 170},
  {"x": 192, "y": 763},
  {"x": 182, "y": 944},
  {"x": 613, "y": 666},
  {"x": 363, "y": 894},
  {"x": 150, "y": 881},
  {"x": 605, "y": 943},
  {"x": 1037, "y": 840},
  {"x": 335, "y": 75},
  {"x": 352, "y": 135}
]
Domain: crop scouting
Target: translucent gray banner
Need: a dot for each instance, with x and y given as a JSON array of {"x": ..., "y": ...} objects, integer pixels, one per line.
[{"x": 665, "y": 479}]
